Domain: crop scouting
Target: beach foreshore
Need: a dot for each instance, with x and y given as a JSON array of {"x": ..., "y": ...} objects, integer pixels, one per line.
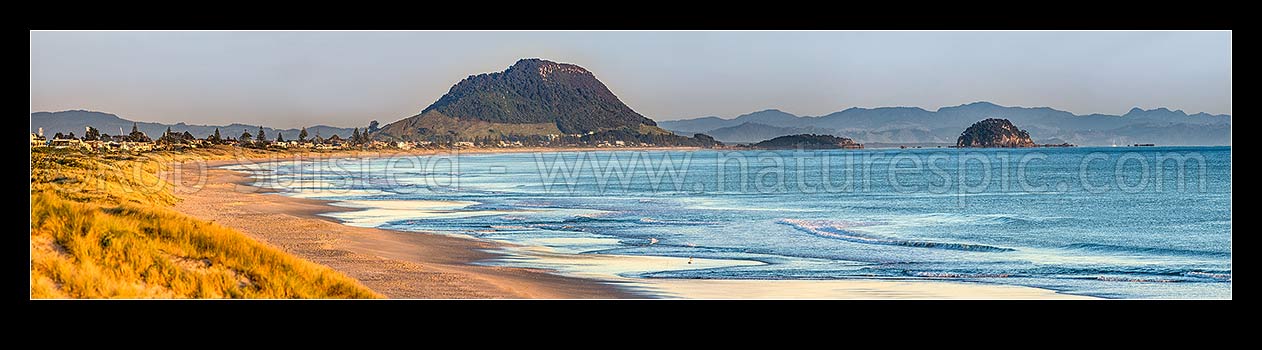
[
  {"x": 413, "y": 265},
  {"x": 396, "y": 264}
]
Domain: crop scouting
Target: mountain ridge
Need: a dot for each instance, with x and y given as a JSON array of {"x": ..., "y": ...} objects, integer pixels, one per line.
[
  {"x": 918, "y": 125},
  {"x": 75, "y": 120}
]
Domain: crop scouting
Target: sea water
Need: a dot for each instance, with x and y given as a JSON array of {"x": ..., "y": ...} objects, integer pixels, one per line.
[{"x": 1113, "y": 222}]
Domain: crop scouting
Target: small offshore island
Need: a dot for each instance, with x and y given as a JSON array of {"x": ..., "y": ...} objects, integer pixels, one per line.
[
  {"x": 808, "y": 141},
  {"x": 998, "y": 133}
]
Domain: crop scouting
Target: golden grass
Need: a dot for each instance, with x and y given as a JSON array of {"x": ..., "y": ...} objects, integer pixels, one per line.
[{"x": 101, "y": 227}]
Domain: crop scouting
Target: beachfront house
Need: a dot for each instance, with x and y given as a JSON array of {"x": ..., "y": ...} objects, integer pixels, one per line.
[
  {"x": 137, "y": 146},
  {"x": 58, "y": 142},
  {"x": 286, "y": 144},
  {"x": 93, "y": 145},
  {"x": 335, "y": 141},
  {"x": 38, "y": 141}
]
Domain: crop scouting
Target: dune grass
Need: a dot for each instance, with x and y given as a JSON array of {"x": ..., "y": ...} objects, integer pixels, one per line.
[{"x": 101, "y": 227}]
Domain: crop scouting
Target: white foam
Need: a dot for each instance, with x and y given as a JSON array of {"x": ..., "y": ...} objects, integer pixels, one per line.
[
  {"x": 609, "y": 266},
  {"x": 375, "y": 213},
  {"x": 420, "y": 204}
]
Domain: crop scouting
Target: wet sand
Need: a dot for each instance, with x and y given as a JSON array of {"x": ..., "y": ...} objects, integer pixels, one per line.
[
  {"x": 418, "y": 265},
  {"x": 396, "y": 264}
]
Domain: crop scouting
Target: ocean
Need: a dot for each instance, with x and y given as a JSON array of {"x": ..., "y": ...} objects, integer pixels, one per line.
[{"x": 1110, "y": 222}]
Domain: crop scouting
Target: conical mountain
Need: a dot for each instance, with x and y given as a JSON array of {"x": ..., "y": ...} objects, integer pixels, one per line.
[{"x": 533, "y": 97}]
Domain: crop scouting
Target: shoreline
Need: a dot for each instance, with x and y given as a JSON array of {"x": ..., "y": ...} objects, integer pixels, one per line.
[
  {"x": 400, "y": 265},
  {"x": 412, "y": 265}
]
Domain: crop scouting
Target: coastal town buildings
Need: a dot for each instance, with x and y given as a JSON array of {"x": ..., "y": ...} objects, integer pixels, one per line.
[
  {"x": 38, "y": 140},
  {"x": 171, "y": 140},
  {"x": 64, "y": 143}
]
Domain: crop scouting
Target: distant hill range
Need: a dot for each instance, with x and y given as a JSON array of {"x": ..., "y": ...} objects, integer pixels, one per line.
[
  {"x": 537, "y": 99},
  {"x": 908, "y": 125},
  {"x": 534, "y": 99},
  {"x": 76, "y": 121}
]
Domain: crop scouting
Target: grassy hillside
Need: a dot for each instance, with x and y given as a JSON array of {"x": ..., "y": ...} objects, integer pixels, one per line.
[{"x": 101, "y": 227}]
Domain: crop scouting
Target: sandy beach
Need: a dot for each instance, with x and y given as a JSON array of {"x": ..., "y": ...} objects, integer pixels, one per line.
[
  {"x": 417, "y": 265},
  {"x": 396, "y": 264},
  {"x": 664, "y": 165}
]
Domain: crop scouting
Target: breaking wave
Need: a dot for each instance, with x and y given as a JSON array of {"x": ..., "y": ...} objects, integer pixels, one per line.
[
  {"x": 835, "y": 230},
  {"x": 1093, "y": 247}
]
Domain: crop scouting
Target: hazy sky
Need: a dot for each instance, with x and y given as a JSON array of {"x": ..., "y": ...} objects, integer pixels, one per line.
[{"x": 290, "y": 79}]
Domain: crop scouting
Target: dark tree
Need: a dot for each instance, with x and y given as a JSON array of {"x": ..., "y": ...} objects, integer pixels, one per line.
[
  {"x": 91, "y": 134},
  {"x": 167, "y": 137},
  {"x": 279, "y": 137},
  {"x": 245, "y": 136},
  {"x": 302, "y": 135},
  {"x": 355, "y": 138},
  {"x": 260, "y": 137},
  {"x": 136, "y": 135},
  {"x": 215, "y": 138}
]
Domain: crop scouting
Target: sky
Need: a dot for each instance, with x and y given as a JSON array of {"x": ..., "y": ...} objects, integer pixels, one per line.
[{"x": 292, "y": 79}]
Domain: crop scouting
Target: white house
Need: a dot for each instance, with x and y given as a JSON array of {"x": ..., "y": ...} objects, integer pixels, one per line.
[
  {"x": 65, "y": 143},
  {"x": 38, "y": 140}
]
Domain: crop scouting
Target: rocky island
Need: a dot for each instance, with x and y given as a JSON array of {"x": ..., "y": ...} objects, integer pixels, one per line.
[
  {"x": 994, "y": 132},
  {"x": 808, "y": 141}
]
